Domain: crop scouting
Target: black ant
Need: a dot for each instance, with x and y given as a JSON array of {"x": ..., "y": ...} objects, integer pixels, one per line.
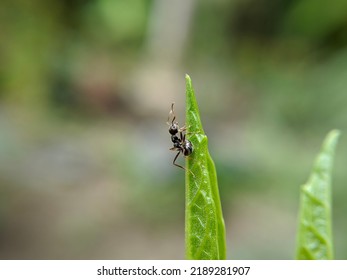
[{"x": 180, "y": 143}]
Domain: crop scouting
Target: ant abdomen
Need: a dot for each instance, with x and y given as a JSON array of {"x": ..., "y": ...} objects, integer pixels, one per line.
[{"x": 188, "y": 148}]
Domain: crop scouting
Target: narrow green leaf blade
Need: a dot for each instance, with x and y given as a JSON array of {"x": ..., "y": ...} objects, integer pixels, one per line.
[
  {"x": 205, "y": 230},
  {"x": 314, "y": 239}
]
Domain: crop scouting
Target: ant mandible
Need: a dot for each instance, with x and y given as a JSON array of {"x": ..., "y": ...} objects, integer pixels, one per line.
[{"x": 180, "y": 143}]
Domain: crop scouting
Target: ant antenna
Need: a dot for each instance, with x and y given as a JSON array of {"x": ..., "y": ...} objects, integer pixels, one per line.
[{"x": 171, "y": 113}]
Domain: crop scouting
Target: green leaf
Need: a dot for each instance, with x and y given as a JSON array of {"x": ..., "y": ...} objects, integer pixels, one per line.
[
  {"x": 205, "y": 231},
  {"x": 314, "y": 240}
]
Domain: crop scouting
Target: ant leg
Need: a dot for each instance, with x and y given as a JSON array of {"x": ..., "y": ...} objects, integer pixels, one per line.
[
  {"x": 174, "y": 161},
  {"x": 195, "y": 132},
  {"x": 183, "y": 128},
  {"x": 180, "y": 166}
]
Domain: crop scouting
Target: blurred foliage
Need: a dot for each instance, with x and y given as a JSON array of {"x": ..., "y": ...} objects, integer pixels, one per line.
[
  {"x": 84, "y": 166},
  {"x": 314, "y": 234}
]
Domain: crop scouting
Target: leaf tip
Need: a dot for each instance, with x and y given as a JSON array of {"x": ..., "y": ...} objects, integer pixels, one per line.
[
  {"x": 188, "y": 83},
  {"x": 331, "y": 139},
  {"x": 334, "y": 134}
]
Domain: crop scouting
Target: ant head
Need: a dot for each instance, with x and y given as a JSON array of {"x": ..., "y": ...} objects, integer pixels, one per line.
[{"x": 173, "y": 129}]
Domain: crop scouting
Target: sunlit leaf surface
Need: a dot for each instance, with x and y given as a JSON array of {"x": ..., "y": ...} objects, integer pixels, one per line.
[{"x": 205, "y": 231}]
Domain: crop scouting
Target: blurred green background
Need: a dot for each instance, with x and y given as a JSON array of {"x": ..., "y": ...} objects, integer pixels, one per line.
[{"x": 85, "y": 91}]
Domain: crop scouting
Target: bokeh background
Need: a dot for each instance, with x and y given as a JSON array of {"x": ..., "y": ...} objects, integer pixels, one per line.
[{"x": 85, "y": 91}]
